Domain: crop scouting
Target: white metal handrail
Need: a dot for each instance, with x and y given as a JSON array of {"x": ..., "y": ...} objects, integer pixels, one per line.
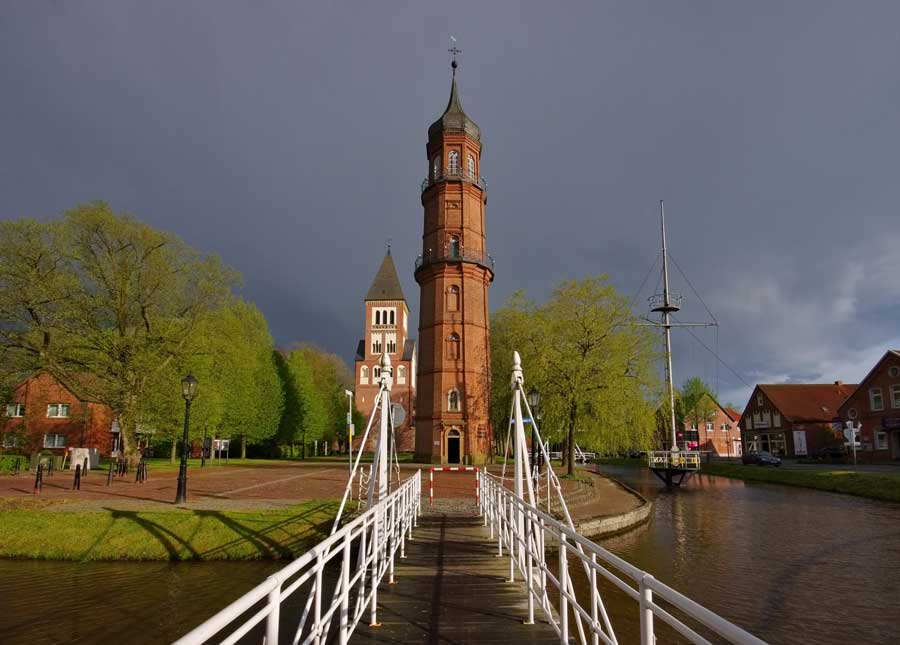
[
  {"x": 376, "y": 535},
  {"x": 529, "y": 535}
]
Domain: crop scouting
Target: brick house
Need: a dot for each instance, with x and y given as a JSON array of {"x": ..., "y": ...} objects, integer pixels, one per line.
[
  {"x": 718, "y": 433},
  {"x": 794, "y": 420},
  {"x": 876, "y": 405},
  {"x": 44, "y": 414},
  {"x": 386, "y": 330}
]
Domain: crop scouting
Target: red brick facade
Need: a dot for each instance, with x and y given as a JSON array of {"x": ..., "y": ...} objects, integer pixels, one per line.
[
  {"x": 386, "y": 330},
  {"x": 719, "y": 433},
  {"x": 876, "y": 405},
  {"x": 793, "y": 420},
  {"x": 44, "y": 414},
  {"x": 454, "y": 273}
]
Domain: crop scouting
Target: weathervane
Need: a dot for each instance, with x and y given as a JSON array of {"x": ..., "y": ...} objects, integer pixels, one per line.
[{"x": 454, "y": 50}]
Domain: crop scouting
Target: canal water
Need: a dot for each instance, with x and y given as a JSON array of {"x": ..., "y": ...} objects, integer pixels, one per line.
[{"x": 792, "y": 565}]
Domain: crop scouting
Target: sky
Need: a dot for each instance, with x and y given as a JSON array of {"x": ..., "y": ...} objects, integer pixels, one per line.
[{"x": 289, "y": 137}]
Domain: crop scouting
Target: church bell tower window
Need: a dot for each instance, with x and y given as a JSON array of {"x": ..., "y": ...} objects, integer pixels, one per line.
[
  {"x": 436, "y": 168},
  {"x": 454, "y": 246},
  {"x": 453, "y": 162},
  {"x": 471, "y": 167}
]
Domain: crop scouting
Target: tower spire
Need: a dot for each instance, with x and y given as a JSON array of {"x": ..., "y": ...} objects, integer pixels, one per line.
[{"x": 454, "y": 50}]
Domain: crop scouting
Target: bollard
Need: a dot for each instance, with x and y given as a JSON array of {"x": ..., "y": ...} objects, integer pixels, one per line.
[
  {"x": 17, "y": 467},
  {"x": 50, "y": 467},
  {"x": 110, "y": 475},
  {"x": 76, "y": 485},
  {"x": 38, "y": 479},
  {"x": 84, "y": 468}
]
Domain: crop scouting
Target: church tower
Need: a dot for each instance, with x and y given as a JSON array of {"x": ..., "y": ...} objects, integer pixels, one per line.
[
  {"x": 386, "y": 330},
  {"x": 454, "y": 273}
]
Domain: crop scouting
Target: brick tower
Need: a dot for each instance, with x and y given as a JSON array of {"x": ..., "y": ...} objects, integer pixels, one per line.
[
  {"x": 387, "y": 324},
  {"x": 454, "y": 273}
]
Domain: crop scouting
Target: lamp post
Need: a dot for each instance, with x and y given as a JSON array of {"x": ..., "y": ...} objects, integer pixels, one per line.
[
  {"x": 188, "y": 391},
  {"x": 203, "y": 448},
  {"x": 350, "y": 427},
  {"x": 534, "y": 399}
]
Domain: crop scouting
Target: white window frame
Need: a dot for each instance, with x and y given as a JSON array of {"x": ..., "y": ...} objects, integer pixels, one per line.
[
  {"x": 881, "y": 440},
  {"x": 895, "y": 395},
  {"x": 18, "y": 410},
  {"x": 453, "y": 163},
  {"x": 390, "y": 343},
  {"x": 56, "y": 443},
  {"x": 710, "y": 426},
  {"x": 873, "y": 392},
  {"x": 363, "y": 375},
  {"x": 58, "y": 413},
  {"x": 377, "y": 344},
  {"x": 401, "y": 375},
  {"x": 471, "y": 162}
]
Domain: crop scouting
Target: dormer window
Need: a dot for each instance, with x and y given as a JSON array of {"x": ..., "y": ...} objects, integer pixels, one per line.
[
  {"x": 471, "y": 167},
  {"x": 453, "y": 162}
]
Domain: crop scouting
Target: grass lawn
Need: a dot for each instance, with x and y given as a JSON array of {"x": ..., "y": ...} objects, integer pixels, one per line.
[
  {"x": 882, "y": 486},
  {"x": 167, "y": 535}
]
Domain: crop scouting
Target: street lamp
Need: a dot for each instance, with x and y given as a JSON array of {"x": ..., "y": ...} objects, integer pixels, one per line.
[
  {"x": 350, "y": 427},
  {"x": 188, "y": 391},
  {"x": 534, "y": 399}
]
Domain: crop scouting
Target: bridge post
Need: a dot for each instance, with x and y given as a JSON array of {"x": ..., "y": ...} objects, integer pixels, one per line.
[
  {"x": 274, "y": 602},
  {"x": 563, "y": 587},
  {"x": 345, "y": 593},
  {"x": 646, "y": 600},
  {"x": 529, "y": 571},
  {"x": 376, "y": 550}
]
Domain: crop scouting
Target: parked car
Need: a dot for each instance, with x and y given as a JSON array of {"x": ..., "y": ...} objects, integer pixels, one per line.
[{"x": 761, "y": 458}]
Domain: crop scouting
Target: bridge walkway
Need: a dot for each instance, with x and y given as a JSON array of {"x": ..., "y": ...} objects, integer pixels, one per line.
[{"x": 452, "y": 588}]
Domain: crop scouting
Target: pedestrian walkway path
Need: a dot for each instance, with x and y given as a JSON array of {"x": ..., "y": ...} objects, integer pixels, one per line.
[{"x": 452, "y": 588}]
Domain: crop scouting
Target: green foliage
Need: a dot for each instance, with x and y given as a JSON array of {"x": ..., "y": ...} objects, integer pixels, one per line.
[
  {"x": 590, "y": 360},
  {"x": 698, "y": 403}
]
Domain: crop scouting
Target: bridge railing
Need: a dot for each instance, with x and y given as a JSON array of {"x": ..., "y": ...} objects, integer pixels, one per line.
[
  {"x": 375, "y": 536},
  {"x": 530, "y": 536}
]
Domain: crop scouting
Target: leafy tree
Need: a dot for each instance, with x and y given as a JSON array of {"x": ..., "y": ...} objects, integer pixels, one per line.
[
  {"x": 590, "y": 360},
  {"x": 114, "y": 304},
  {"x": 698, "y": 403}
]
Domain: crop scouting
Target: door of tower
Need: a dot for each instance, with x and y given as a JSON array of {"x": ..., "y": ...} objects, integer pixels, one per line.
[{"x": 453, "y": 446}]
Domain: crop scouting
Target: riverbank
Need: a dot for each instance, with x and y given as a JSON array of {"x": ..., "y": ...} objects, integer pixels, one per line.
[
  {"x": 872, "y": 485},
  {"x": 178, "y": 534}
]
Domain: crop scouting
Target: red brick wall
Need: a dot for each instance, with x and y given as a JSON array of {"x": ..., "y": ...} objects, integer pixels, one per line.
[{"x": 858, "y": 408}]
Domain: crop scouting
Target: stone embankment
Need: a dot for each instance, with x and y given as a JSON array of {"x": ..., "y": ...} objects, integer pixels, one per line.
[{"x": 601, "y": 506}]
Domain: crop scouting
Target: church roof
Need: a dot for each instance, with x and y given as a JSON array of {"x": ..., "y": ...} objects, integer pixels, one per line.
[
  {"x": 454, "y": 119},
  {"x": 386, "y": 285}
]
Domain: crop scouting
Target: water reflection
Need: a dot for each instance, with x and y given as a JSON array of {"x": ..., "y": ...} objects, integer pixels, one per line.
[{"x": 792, "y": 565}]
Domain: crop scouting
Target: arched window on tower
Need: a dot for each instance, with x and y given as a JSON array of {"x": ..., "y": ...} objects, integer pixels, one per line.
[
  {"x": 392, "y": 316},
  {"x": 453, "y": 401},
  {"x": 364, "y": 375},
  {"x": 454, "y": 246},
  {"x": 436, "y": 168},
  {"x": 377, "y": 316},
  {"x": 453, "y": 162},
  {"x": 471, "y": 167},
  {"x": 454, "y": 346},
  {"x": 453, "y": 298}
]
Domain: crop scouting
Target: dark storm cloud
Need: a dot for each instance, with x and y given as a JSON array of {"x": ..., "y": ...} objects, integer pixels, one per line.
[{"x": 289, "y": 138}]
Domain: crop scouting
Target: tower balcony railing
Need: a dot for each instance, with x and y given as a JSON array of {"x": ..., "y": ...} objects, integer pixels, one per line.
[
  {"x": 454, "y": 174},
  {"x": 433, "y": 256}
]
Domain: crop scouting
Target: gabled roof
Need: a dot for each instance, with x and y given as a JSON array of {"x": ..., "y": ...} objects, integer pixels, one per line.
[
  {"x": 386, "y": 285},
  {"x": 732, "y": 413},
  {"x": 807, "y": 401},
  {"x": 862, "y": 383}
]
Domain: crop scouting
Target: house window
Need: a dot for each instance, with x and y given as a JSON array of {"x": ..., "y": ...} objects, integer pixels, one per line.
[
  {"x": 10, "y": 440},
  {"x": 759, "y": 399},
  {"x": 776, "y": 419},
  {"x": 876, "y": 401},
  {"x": 15, "y": 410},
  {"x": 401, "y": 375},
  {"x": 894, "y": 371},
  {"x": 453, "y": 298},
  {"x": 453, "y": 401},
  {"x": 852, "y": 413},
  {"x": 895, "y": 395},
  {"x": 58, "y": 410},
  {"x": 454, "y": 246},
  {"x": 454, "y": 346},
  {"x": 471, "y": 167},
  {"x": 881, "y": 440},
  {"x": 364, "y": 375},
  {"x": 693, "y": 426},
  {"x": 453, "y": 162},
  {"x": 709, "y": 426},
  {"x": 54, "y": 441},
  {"x": 376, "y": 372},
  {"x": 376, "y": 344}
]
